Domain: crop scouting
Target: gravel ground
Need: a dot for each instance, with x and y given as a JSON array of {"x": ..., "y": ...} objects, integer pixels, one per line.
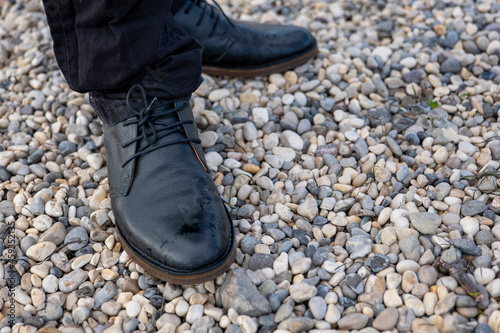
[{"x": 363, "y": 185}]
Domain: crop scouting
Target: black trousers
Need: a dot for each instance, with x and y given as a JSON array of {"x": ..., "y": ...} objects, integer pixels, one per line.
[{"x": 106, "y": 46}]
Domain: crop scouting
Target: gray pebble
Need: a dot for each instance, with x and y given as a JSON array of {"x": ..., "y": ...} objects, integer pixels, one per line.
[
  {"x": 50, "y": 310},
  {"x": 466, "y": 246},
  {"x": 377, "y": 263},
  {"x": 451, "y": 65},
  {"x": 76, "y": 239},
  {"x": 483, "y": 328},
  {"x": 473, "y": 207},
  {"x": 109, "y": 291}
]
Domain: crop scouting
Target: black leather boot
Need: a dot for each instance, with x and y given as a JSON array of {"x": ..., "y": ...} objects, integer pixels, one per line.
[
  {"x": 169, "y": 215},
  {"x": 243, "y": 49}
]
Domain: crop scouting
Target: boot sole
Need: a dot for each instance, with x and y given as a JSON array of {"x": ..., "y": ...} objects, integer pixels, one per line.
[
  {"x": 262, "y": 71},
  {"x": 189, "y": 279}
]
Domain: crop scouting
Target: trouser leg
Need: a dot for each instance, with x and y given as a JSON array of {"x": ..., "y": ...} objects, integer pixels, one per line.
[{"x": 106, "y": 46}]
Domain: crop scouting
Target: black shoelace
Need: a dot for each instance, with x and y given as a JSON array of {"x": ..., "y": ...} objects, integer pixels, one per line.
[
  {"x": 212, "y": 13},
  {"x": 152, "y": 125}
]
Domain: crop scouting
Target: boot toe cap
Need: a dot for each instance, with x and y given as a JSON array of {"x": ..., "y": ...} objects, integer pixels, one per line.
[
  {"x": 185, "y": 241},
  {"x": 180, "y": 226}
]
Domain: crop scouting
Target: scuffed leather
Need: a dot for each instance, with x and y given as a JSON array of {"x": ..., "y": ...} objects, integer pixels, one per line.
[
  {"x": 249, "y": 45},
  {"x": 172, "y": 215}
]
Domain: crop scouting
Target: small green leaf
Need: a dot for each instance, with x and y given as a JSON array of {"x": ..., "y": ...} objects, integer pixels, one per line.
[
  {"x": 490, "y": 174},
  {"x": 433, "y": 104},
  {"x": 475, "y": 294}
]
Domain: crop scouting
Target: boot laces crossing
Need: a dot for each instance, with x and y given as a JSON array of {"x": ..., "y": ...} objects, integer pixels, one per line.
[
  {"x": 212, "y": 12},
  {"x": 153, "y": 124}
]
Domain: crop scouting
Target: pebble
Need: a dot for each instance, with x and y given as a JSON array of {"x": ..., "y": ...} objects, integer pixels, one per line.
[
  {"x": 451, "y": 65},
  {"x": 208, "y": 139},
  {"x": 483, "y": 275},
  {"x": 414, "y": 304},
  {"x": 218, "y": 94},
  {"x": 483, "y": 328},
  {"x": 309, "y": 208},
  {"x": 292, "y": 140},
  {"x": 50, "y": 310},
  {"x": 446, "y": 304},
  {"x": 386, "y": 320},
  {"x": 80, "y": 314},
  {"x": 286, "y": 154},
  {"x": 392, "y": 299},
  {"x": 41, "y": 251},
  {"x": 425, "y": 223},
  {"x": 53, "y": 209},
  {"x": 377, "y": 263},
  {"x": 76, "y": 239},
  {"x": 466, "y": 246},
  {"x": 250, "y": 131},
  {"x": 72, "y": 281},
  {"x": 107, "y": 292},
  {"x": 133, "y": 308},
  {"x": 493, "y": 288},
  {"x": 473, "y": 207},
  {"x": 427, "y": 275},
  {"x": 423, "y": 326},
  {"x": 469, "y": 225},
  {"x": 194, "y": 313},
  {"x": 95, "y": 161},
  {"x": 247, "y": 324},
  {"x": 318, "y": 307},
  {"x": 260, "y": 116},
  {"x": 302, "y": 292},
  {"x": 353, "y": 321},
  {"x": 410, "y": 246},
  {"x": 383, "y": 52},
  {"x": 239, "y": 292},
  {"x": 42, "y": 222}
]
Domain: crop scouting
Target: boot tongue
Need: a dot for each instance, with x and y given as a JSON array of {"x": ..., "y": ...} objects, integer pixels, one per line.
[{"x": 153, "y": 134}]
